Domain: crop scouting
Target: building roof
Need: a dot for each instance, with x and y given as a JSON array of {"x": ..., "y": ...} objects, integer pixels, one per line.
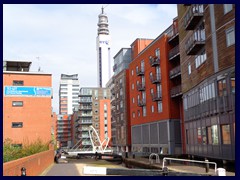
[{"x": 16, "y": 65}]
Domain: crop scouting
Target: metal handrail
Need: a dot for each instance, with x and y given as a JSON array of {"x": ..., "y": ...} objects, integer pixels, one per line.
[{"x": 187, "y": 160}]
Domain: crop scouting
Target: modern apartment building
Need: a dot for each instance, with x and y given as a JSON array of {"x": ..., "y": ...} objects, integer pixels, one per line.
[
  {"x": 103, "y": 43},
  {"x": 154, "y": 114},
  {"x": 27, "y": 103},
  {"x": 207, "y": 51},
  {"x": 68, "y": 93},
  {"x": 95, "y": 110},
  {"x": 120, "y": 91},
  {"x": 64, "y": 130}
]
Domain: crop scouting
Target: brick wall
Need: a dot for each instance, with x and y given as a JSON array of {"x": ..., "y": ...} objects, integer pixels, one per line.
[{"x": 34, "y": 164}]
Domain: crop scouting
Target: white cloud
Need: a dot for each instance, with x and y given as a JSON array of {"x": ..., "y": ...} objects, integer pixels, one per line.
[{"x": 64, "y": 36}]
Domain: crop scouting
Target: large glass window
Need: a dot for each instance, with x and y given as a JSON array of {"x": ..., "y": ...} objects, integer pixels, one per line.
[
  {"x": 214, "y": 133},
  {"x": 226, "y": 138},
  {"x": 144, "y": 111},
  {"x": 222, "y": 88},
  {"x": 204, "y": 135},
  {"x": 159, "y": 106},
  {"x": 230, "y": 36},
  {"x": 199, "y": 135},
  {"x": 200, "y": 58}
]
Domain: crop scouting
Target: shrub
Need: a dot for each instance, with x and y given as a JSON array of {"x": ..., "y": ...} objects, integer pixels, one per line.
[{"x": 12, "y": 153}]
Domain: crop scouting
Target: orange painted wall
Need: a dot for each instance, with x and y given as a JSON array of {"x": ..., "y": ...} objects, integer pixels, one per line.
[
  {"x": 170, "y": 109},
  {"x": 138, "y": 45},
  {"x": 35, "y": 112},
  {"x": 101, "y": 118}
]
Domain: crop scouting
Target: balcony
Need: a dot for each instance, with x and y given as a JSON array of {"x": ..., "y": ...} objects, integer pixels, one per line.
[
  {"x": 84, "y": 121},
  {"x": 174, "y": 53},
  {"x": 195, "y": 42},
  {"x": 83, "y": 136},
  {"x": 85, "y": 108},
  {"x": 155, "y": 78},
  {"x": 173, "y": 37},
  {"x": 141, "y": 86},
  {"x": 85, "y": 102},
  {"x": 140, "y": 72},
  {"x": 154, "y": 61},
  {"x": 85, "y": 115},
  {"x": 113, "y": 91},
  {"x": 157, "y": 96},
  {"x": 176, "y": 91},
  {"x": 193, "y": 16},
  {"x": 142, "y": 102},
  {"x": 175, "y": 72}
]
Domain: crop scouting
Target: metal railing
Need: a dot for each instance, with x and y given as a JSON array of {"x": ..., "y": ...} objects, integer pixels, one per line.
[
  {"x": 173, "y": 52},
  {"x": 187, "y": 160}
]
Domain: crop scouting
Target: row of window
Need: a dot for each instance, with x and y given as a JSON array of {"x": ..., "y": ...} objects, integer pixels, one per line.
[
  {"x": 209, "y": 91},
  {"x": 144, "y": 112},
  {"x": 209, "y": 135}
]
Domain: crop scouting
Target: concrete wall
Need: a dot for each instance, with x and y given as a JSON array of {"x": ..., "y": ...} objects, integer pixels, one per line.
[{"x": 34, "y": 164}]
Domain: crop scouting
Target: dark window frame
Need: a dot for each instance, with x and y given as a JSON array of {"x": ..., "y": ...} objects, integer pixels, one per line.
[
  {"x": 18, "y": 83},
  {"x": 17, "y": 105},
  {"x": 17, "y": 124}
]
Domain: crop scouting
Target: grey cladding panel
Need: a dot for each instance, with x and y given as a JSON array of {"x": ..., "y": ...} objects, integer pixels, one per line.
[
  {"x": 163, "y": 133},
  {"x": 177, "y": 132},
  {"x": 153, "y": 134},
  {"x": 145, "y": 131},
  {"x": 136, "y": 135}
]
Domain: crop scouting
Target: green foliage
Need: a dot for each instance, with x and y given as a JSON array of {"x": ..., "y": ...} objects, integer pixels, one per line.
[{"x": 11, "y": 152}]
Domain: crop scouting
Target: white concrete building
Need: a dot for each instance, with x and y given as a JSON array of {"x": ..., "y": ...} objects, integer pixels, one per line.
[
  {"x": 68, "y": 93},
  {"x": 103, "y": 50}
]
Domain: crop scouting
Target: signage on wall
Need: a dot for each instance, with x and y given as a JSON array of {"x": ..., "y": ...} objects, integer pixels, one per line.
[
  {"x": 27, "y": 91},
  {"x": 104, "y": 42}
]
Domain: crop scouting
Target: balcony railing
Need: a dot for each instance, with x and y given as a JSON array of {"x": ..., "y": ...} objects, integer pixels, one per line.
[
  {"x": 154, "y": 61},
  {"x": 141, "y": 102},
  {"x": 195, "y": 42},
  {"x": 157, "y": 96},
  {"x": 141, "y": 86},
  {"x": 140, "y": 72},
  {"x": 85, "y": 122},
  {"x": 173, "y": 36},
  {"x": 85, "y": 108},
  {"x": 113, "y": 91},
  {"x": 193, "y": 16},
  {"x": 174, "y": 53},
  {"x": 175, "y": 72},
  {"x": 176, "y": 91},
  {"x": 155, "y": 78}
]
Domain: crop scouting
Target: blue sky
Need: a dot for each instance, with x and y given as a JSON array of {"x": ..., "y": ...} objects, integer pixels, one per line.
[{"x": 63, "y": 36}]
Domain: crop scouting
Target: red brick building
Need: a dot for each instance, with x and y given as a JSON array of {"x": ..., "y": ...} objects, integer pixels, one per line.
[
  {"x": 27, "y": 103},
  {"x": 154, "y": 115}
]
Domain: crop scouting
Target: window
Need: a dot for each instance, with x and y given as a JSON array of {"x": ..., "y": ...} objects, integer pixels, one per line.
[
  {"x": 212, "y": 134},
  {"x": 204, "y": 135},
  {"x": 225, "y": 130},
  {"x": 132, "y": 86},
  {"x": 227, "y": 8},
  {"x": 152, "y": 108},
  {"x": 132, "y": 72},
  {"x": 17, "y": 83},
  {"x": 232, "y": 79},
  {"x": 139, "y": 114},
  {"x": 133, "y": 101},
  {"x": 230, "y": 36},
  {"x": 189, "y": 69},
  {"x": 222, "y": 87},
  {"x": 17, "y": 124},
  {"x": 157, "y": 53},
  {"x": 133, "y": 114},
  {"x": 159, "y": 106},
  {"x": 17, "y": 103},
  {"x": 144, "y": 111},
  {"x": 200, "y": 58},
  {"x": 199, "y": 135}
]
